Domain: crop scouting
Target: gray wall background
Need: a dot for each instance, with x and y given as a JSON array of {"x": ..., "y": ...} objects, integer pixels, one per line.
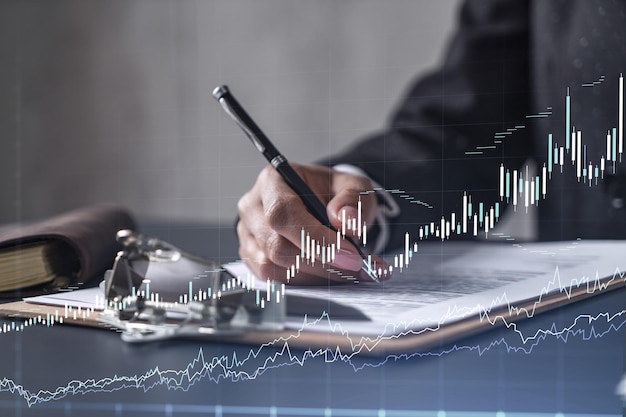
[{"x": 111, "y": 100}]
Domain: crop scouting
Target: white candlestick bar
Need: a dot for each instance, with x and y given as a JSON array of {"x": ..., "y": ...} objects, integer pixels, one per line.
[
  {"x": 406, "y": 247},
  {"x": 567, "y": 120},
  {"x": 544, "y": 182},
  {"x": 573, "y": 145},
  {"x": 359, "y": 226},
  {"x": 578, "y": 155},
  {"x": 501, "y": 181},
  {"x": 514, "y": 189},
  {"x": 602, "y": 166},
  {"x": 308, "y": 247},
  {"x": 464, "y": 213},
  {"x": 620, "y": 126},
  {"x": 614, "y": 146}
]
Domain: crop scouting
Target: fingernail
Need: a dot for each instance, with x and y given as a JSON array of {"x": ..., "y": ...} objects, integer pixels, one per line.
[
  {"x": 380, "y": 268},
  {"x": 384, "y": 276},
  {"x": 365, "y": 276},
  {"x": 347, "y": 260},
  {"x": 350, "y": 211}
]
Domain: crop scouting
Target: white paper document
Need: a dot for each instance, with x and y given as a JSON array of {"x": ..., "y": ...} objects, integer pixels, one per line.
[
  {"x": 444, "y": 283},
  {"x": 88, "y": 298},
  {"x": 448, "y": 282}
]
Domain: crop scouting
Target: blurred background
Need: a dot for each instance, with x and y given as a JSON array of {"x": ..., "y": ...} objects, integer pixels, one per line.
[{"x": 111, "y": 100}]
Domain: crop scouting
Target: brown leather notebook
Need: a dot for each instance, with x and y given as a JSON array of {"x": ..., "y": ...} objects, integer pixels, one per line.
[{"x": 68, "y": 251}]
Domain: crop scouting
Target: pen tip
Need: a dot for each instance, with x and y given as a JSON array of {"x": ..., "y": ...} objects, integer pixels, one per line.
[{"x": 367, "y": 271}]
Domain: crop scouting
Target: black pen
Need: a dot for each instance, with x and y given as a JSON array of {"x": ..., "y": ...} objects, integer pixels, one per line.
[{"x": 280, "y": 163}]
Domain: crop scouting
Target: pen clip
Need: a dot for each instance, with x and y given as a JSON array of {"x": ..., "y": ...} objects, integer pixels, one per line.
[{"x": 219, "y": 94}]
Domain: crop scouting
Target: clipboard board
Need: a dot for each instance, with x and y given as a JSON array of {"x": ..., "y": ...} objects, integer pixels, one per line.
[{"x": 408, "y": 341}]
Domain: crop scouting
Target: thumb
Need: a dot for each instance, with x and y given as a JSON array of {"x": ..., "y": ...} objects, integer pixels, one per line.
[{"x": 351, "y": 192}]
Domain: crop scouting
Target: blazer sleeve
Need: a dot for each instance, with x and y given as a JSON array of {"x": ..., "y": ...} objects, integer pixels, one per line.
[{"x": 481, "y": 88}]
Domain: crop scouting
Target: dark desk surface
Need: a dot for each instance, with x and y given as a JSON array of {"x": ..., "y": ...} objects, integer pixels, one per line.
[{"x": 73, "y": 371}]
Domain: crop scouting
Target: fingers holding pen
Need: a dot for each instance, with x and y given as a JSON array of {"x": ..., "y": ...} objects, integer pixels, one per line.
[
  {"x": 289, "y": 216},
  {"x": 352, "y": 199},
  {"x": 268, "y": 235},
  {"x": 352, "y": 209},
  {"x": 272, "y": 258},
  {"x": 276, "y": 230}
]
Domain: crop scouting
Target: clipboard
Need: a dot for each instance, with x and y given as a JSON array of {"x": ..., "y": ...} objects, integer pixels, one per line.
[
  {"x": 145, "y": 260},
  {"x": 406, "y": 342}
]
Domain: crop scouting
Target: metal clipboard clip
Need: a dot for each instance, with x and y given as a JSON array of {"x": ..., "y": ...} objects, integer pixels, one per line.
[{"x": 156, "y": 291}]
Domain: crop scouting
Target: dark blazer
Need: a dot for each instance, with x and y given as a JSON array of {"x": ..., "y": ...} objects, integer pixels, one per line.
[{"x": 508, "y": 60}]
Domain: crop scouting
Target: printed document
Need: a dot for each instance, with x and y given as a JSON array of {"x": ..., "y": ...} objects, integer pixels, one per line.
[{"x": 446, "y": 282}]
